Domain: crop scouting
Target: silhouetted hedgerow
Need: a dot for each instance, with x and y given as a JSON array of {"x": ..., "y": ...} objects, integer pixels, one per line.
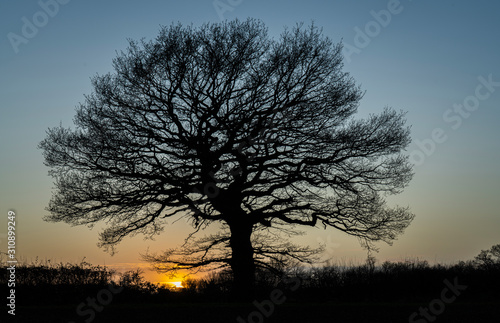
[{"x": 405, "y": 281}]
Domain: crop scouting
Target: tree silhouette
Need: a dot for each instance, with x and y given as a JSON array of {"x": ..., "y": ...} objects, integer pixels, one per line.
[
  {"x": 488, "y": 258},
  {"x": 228, "y": 127}
]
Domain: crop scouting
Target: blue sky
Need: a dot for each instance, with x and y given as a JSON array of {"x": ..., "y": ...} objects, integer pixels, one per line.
[{"x": 425, "y": 57}]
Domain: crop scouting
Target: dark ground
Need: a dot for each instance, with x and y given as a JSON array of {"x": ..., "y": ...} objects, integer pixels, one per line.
[
  {"x": 469, "y": 312},
  {"x": 414, "y": 293}
]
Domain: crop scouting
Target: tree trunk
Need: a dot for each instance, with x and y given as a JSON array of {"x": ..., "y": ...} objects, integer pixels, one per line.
[{"x": 242, "y": 263}]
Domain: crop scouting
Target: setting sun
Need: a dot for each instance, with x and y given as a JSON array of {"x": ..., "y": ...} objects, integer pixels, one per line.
[{"x": 176, "y": 284}]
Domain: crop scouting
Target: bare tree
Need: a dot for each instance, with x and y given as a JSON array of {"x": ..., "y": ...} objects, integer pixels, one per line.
[
  {"x": 488, "y": 258},
  {"x": 228, "y": 127}
]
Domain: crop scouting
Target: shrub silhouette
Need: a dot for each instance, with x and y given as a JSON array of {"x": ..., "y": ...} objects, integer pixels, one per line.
[
  {"x": 409, "y": 280},
  {"x": 488, "y": 258}
]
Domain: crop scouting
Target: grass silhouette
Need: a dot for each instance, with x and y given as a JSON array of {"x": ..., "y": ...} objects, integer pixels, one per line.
[{"x": 390, "y": 292}]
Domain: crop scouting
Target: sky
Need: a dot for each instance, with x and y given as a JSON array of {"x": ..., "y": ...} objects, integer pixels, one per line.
[{"x": 437, "y": 60}]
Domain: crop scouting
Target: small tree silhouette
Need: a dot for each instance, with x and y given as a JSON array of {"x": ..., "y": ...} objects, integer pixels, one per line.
[{"x": 488, "y": 258}]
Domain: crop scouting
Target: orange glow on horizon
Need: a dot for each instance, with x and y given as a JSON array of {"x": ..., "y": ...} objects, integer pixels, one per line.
[{"x": 175, "y": 284}]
